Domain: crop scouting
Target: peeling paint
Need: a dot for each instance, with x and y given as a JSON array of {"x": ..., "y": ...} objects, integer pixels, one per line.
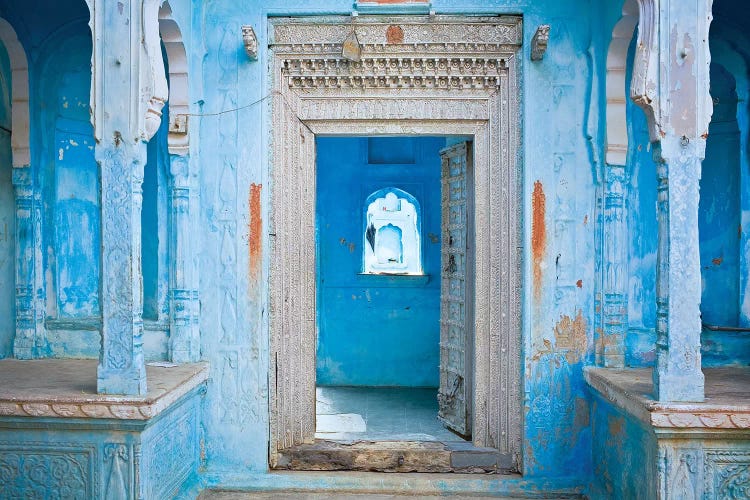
[{"x": 570, "y": 336}]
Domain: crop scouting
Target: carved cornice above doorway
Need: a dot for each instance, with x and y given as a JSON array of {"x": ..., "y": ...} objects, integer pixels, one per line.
[{"x": 415, "y": 52}]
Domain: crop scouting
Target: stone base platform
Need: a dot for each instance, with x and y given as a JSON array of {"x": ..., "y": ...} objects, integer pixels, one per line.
[
  {"x": 643, "y": 448},
  {"x": 59, "y": 438}
]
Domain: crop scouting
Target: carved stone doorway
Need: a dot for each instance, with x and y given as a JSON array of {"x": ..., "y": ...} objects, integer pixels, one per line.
[{"x": 438, "y": 75}]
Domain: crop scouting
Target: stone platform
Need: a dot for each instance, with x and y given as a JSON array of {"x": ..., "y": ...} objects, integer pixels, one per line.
[
  {"x": 644, "y": 448},
  {"x": 59, "y": 437}
]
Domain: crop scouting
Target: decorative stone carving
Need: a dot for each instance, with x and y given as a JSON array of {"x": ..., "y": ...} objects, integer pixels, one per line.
[
  {"x": 184, "y": 340},
  {"x": 30, "y": 339},
  {"x": 727, "y": 474},
  {"x": 172, "y": 455},
  {"x": 250, "y": 41},
  {"x": 539, "y": 42},
  {"x": 116, "y": 458},
  {"x": 644, "y": 84},
  {"x": 451, "y": 75},
  {"x": 121, "y": 364},
  {"x": 46, "y": 470}
]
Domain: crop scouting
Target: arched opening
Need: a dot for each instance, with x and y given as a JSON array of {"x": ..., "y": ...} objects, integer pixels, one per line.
[
  {"x": 724, "y": 209},
  {"x": 392, "y": 235},
  {"x": 166, "y": 196}
]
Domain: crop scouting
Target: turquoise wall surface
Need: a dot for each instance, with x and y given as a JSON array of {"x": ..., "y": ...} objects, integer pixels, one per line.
[
  {"x": 7, "y": 215},
  {"x": 376, "y": 330},
  {"x": 725, "y": 195}
]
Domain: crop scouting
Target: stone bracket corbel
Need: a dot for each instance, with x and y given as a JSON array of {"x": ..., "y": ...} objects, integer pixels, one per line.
[
  {"x": 539, "y": 42},
  {"x": 250, "y": 41}
]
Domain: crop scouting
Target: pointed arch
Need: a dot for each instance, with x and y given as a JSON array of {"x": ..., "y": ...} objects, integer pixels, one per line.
[
  {"x": 171, "y": 37},
  {"x": 19, "y": 93}
]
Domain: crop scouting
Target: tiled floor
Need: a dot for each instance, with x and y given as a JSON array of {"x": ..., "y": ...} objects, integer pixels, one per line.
[{"x": 379, "y": 414}]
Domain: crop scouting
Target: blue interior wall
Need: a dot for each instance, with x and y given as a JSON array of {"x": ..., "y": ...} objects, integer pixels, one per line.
[
  {"x": 7, "y": 215},
  {"x": 376, "y": 330},
  {"x": 724, "y": 210},
  {"x": 642, "y": 231}
]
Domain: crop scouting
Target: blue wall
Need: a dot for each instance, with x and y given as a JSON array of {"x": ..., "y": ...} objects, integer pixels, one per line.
[
  {"x": 376, "y": 330},
  {"x": 725, "y": 194},
  {"x": 642, "y": 230},
  {"x": 7, "y": 216}
]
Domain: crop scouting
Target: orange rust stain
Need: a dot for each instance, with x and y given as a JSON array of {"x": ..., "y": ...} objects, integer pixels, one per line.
[
  {"x": 538, "y": 235},
  {"x": 394, "y": 34},
  {"x": 615, "y": 425},
  {"x": 255, "y": 228},
  {"x": 570, "y": 337},
  {"x": 579, "y": 283},
  {"x": 582, "y": 416},
  {"x": 717, "y": 261}
]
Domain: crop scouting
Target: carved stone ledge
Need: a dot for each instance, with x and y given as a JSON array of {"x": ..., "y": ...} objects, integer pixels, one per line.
[
  {"x": 727, "y": 405},
  {"x": 371, "y": 30},
  {"x": 60, "y": 388}
]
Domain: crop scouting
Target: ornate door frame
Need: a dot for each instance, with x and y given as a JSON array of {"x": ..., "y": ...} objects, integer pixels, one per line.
[{"x": 417, "y": 75}]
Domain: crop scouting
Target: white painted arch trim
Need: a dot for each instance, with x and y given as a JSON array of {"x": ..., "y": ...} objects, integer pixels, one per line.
[
  {"x": 19, "y": 67},
  {"x": 179, "y": 94},
  {"x": 617, "y": 61}
]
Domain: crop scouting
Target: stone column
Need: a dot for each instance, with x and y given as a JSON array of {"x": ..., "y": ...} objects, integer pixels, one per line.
[
  {"x": 121, "y": 367},
  {"x": 677, "y": 374},
  {"x": 128, "y": 90},
  {"x": 29, "y": 341},
  {"x": 184, "y": 341},
  {"x": 610, "y": 340},
  {"x": 671, "y": 83}
]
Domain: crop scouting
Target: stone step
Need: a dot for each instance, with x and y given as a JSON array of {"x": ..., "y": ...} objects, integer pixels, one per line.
[{"x": 393, "y": 456}]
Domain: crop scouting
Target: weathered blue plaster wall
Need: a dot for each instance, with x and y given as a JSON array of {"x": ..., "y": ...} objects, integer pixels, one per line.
[
  {"x": 725, "y": 193},
  {"x": 376, "y": 330},
  {"x": 624, "y": 453},
  {"x": 58, "y": 48},
  {"x": 642, "y": 229},
  {"x": 7, "y": 215}
]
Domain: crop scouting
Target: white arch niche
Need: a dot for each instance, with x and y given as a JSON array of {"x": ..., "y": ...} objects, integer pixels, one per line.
[
  {"x": 19, "y": 93},
  {"x": 617, "y": 60},
  {"x": 171, "y": 36}
]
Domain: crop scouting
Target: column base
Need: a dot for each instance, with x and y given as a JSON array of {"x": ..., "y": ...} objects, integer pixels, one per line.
[
  {"x": 679, "y": 388},
  {"x": 126, "y": 381}
]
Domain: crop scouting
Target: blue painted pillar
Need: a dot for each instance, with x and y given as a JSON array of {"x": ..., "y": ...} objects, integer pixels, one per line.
[
  {"x": 678, "y": 375},
  {"x": 128, "y": 92},
  {"x": 184, "y": 341},
  {"x": 610, "y": 339},
  {"x": 30, "y": 341},
  {"x": 671, "y": 83},
  {"x": 121, "y": 367}
]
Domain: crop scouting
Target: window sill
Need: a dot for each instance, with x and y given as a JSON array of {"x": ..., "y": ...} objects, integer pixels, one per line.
[{"x": 393, "y": 279}]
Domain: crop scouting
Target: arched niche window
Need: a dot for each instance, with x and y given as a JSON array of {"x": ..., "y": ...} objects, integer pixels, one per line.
[{"x": 392, "y": 233}]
